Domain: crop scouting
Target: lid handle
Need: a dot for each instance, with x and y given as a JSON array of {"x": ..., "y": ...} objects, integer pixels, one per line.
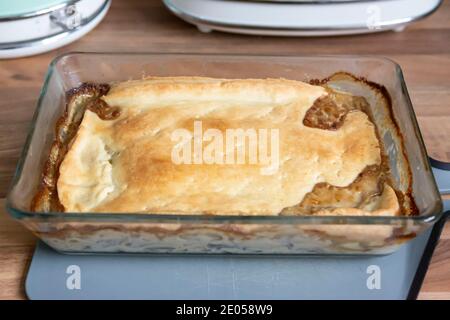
[{"x": 68, "y": 18}]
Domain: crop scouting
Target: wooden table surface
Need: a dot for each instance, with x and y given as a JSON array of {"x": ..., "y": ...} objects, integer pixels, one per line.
[{"x": 423, "y": 51}]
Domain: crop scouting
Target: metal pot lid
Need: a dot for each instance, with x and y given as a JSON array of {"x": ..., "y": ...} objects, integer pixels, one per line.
[
  {"x": 35, "y": 29},
  {"x": 11, "y": 10}
]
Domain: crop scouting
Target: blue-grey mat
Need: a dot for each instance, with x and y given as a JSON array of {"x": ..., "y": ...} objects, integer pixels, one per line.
[
  {"x": 56, "y": 276},
  {"x": 221, "y": 277}
]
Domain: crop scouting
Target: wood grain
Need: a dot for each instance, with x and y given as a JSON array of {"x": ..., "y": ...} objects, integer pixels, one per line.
[{"x": 423, "y": 51}]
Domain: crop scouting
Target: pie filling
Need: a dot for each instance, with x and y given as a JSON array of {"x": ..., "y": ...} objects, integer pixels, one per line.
[{"x": 114, "y": 147}]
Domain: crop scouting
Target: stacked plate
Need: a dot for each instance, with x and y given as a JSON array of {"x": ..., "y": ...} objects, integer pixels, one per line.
[
  {"x": 301, "y": 17},
  {"x": 30, "y": 27}
]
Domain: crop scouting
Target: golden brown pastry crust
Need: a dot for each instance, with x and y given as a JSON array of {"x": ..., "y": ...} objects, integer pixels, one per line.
[{"x": 125, "y": 165}]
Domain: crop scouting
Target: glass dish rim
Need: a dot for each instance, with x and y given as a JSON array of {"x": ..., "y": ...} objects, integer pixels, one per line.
[{"x": 433, "y": 215}]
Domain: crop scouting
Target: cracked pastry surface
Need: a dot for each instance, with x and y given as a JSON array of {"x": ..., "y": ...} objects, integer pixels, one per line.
[{"x": 124, "y": 164}]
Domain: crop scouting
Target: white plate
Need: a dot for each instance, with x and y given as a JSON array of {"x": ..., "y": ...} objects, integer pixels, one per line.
[{"x": 301, "y": 19}]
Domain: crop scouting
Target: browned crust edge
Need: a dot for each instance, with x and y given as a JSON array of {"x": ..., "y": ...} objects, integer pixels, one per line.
[
  {"x": 414, "y": 210},
  {"x": 46, "y": 198}
]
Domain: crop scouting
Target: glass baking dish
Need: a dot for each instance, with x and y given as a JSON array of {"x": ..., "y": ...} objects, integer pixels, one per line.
[{"x": 151, "y": 233}]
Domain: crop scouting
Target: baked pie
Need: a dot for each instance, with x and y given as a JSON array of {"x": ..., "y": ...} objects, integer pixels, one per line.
[{"x": 306, "y": 149}]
